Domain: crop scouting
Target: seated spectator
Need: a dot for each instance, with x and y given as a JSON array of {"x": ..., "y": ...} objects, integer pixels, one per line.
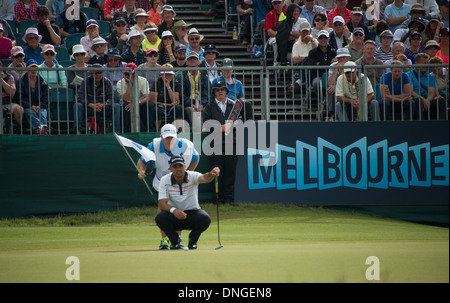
[
  {"x": 134, "y": 53},
  {"x": 76, "y": 74},
  {"x": 235, "y": 88},
  {"x": 368, "y": 58},
  {"x": 33, "y": 50},
  {"x": 91, "y": 34},
  {"x": 5, "y": 45},
  {"x": 166, "y": 48},
  {"x": 417, "y": 11},
  {"x": 357, "y": 45},
  {"x": 68, "y": 27},
  {"x": 95, "y": 97},
  {"x": 430, "y": 6},
  {"x": 151, "y": 62},
  {"x": 210, "y": 61},
  {"x": 271, "y": 23},
  {"x": 396, "y": 13},
  {"x": 357, "y": 21},
  {"x": 432, "y": 29},
  {"x": 347, "y": 94},
  {"x": 119, "y": 35},
  {"x": 320, "y": 23},
  {"x": 246, "y": 11},
  {"x": 34, "y": 99},
  {"x": 443, "y": 44},
  {"x": 287, "y": 33},
  {"x": 141, "y": 20},
  {"x": 127, "y": 12},
  {"x": 7, "y": 10},
  {"x": 56, "y": 7},
  {"x": 146, "y": 109},
  {"x": 145, "y": 4},
  {"x": 195, "y": 88},
  {"x": 7, "y": 31},
  {"x": 166, "y": 97},
  {"x": 403, "y": 35},
  {"x": 113, "y": 60},
  {"x": 395, "y": 92},
  {"x": 440, "y": 75},
  {"x": 194, "y": 38},
  {"x": 168, "y": 19},
  {"x": 8, "y": 89},
  {"x": 55, "y": 78},
  {"x": 110, "y": 7},
  {"x": 151, "y": 40},
  {"x": 340, "y": 36},
  {"x": 179, "y": 31},
  {"x": 379, "y": 29},
  {"x": 17, "y": 55},
  {"x": 310, "y": 10},
  {"x": 340, "y": 10},
  {"x": 342, "y": 56},
  {"x": 398, "y": 53},
  {"x": 328, "y": 5},
  {"x": 443, "y": 9},
  {"x": 414, "y": 46},
  {"x": 429, "y": 106},
  {"x": 370, "y": 17},
  {"x": 180, "y": 55},
  {"x": 304, "y": 44},
  {"x": 154, "y": 14},
  {"x": 431, "y": 48},
  {"x": 48, "y": 31},
  {"x": 100, "y": 49},
  {"x": 384, "y": 52},
  {"x": 25, "y": 10}
]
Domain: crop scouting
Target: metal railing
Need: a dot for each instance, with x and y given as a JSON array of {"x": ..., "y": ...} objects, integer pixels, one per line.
[{"x": 282, "y": 93}]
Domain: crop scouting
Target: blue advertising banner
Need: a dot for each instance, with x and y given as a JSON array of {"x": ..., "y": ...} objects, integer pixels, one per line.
[{"x": 365, "y": 163}]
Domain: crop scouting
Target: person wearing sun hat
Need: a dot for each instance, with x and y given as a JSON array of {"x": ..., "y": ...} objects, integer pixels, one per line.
[
  {"x": 194, "y": 38},
  {"x": 141, "y": 20},
  {"x": 166, "y": 48},
  {"x": 179, "y": 31},
  {"x": 100, "y": 48},
  {"x": 168, "y": 19},
  {"x": 54, "y": 78},
  {"x": 33, "y": 50},
  {"x": 113, "y": 60},
  {"x": 76, "y": 74},
  {"x": 151, "y": 38},
  {"x": 134, "y": 53}
]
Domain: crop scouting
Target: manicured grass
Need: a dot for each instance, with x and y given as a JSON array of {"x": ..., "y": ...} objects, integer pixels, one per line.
[{"x": 262, "y": 243}]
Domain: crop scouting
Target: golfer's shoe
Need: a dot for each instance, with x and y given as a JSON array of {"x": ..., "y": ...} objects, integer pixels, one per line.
[
  {"x": 179, "y": 245},
  {"x": 164, "y": 243},
  {"x": 192, "y": 246}
]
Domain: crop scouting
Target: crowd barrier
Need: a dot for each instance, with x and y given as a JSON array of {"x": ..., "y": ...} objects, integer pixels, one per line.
[{"x": 281, "y": 93}]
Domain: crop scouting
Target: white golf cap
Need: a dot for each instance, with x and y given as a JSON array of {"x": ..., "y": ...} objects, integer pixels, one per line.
[
  {"x": 342, "y": 52},
  {"x": 168, "y": 130},
  {"x": 338, "y": 19},
  {"x": 348, "y": 66},
  {"x": 133, "y": 33}
]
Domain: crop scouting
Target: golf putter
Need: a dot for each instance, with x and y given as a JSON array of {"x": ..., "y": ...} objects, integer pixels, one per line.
[{"x": 217, "y": 203}]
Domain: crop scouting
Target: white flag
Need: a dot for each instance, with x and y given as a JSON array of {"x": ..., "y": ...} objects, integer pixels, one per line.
[{"x": 144, "y": 151}]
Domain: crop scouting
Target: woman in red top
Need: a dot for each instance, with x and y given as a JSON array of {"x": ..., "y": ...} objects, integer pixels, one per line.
[
  {"x": 5, "y": 45},
  {"x": 25, "y": 9},
  {"x": 110, "y": 7}
]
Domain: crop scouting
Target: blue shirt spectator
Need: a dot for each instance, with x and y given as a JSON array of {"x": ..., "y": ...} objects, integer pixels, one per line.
[
  {"x": 236, "y": 90},
  {"x": 394, "y": 11},
  {"x": 309, "y": 10}
]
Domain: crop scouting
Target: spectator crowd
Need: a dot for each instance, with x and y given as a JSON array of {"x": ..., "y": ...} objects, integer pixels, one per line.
[{"x": 148, "y": 34}]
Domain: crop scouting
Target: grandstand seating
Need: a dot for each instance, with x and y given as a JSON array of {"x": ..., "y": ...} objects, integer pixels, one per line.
[
  {"x": 23, "y": 25},
  {"x": 73, "y": 39},
  {"x": 62, "y": 53}
]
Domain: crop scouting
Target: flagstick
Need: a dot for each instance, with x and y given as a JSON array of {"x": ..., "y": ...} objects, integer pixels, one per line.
[{"x": 131, "y": 159}]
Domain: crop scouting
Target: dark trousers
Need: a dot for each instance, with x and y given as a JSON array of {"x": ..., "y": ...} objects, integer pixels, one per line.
[
  {"x": 227, "y": 165},
  {"x": 197, "y": 221}
]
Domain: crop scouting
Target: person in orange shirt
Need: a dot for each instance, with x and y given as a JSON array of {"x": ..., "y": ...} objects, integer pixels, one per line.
[{"x": 154, "y": 15}]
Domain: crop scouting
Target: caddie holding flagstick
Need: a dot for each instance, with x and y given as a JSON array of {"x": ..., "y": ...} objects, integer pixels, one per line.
[
  {"x": 179, "y": 205},
  {"x": 164, "y": 148}
]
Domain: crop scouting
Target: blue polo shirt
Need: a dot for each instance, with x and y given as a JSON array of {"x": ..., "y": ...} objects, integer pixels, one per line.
[
  {"x": 35, "y": 54},
  {"x": 395, "y": 12},
  {"x": 236, "y": 90},
  {"x": 426, "y": 81},
  {"x": 395, "y": 88}
]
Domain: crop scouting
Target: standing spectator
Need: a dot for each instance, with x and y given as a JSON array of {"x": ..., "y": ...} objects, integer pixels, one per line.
[
  {"x": 17, "y": 55},
  {"x": 99, "y": 47},
  {"x": 428, "y": 105},
  {"x": 48, "y": 31},
  {"x": 357, "y": 21},
  {"x": 414, "y": 46},
  {"x": 113, "y": 60},
  {"x": 443, "y": 9},
  {"x": 210, "y": 61},
  {"x": 261, "y": 9},
  {"x": 340, "y": 10},
  {"x": 384, "y": 52},
  {"x": 154, "y": 14},
  {"x": 126, "y": 93},
  {"x": 368, "y": 58},
  {"x": 304, "y": 44},
  {"x": 348, "y": 88},
  {"x": 179, "y": 31},
  {"x": 340, "y": 36},
  {"x": 168, "y": 19},
  {"x": 119, "y": 35},
  {"x": 396, "y": 13},
  {"x": 357, "y": 45},
  {"x": 5, "y": 45},
  {"x": 151, "y": 40},
  {"x": 110, "y": 7},
  {"x": 25, "y": 9},
  {"x": 395, "y": 91},
  {"x": 310, "y": 10},
  {"x": 34, "y": 99},
  {"x": 320, "y": 23},
  {"x": 235, "y": 88},
  {"x": 96, "y": 98},
  {"x": 55, "y": 78},
  {"x": 166, "y": 48},
  {"x": 134, "y": 53},
  {"x": 91, "y": 34},
  {"x": 245, "y": 9},
  {"x": 194, "y": 38},
  {"x": 68, "y": 27},
  {"x": 219, "y": 110},
  {"x": 443, "y": 43},
  {"x": 151, "y": 62},
  {"x": 127, "y": 12}
]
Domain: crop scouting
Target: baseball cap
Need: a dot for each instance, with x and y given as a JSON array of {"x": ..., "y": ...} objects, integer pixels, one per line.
[
  {"x": 180, "y": 47},
  {"x": 348, "y": 66},
  {"x": 305, "y": 26},
  {"x": 131, "y": 65},
  {"x": 31, "y": 63},
  {"x": 91, "y": 22},
  {"x": 323, "y": 33},
  {"x": 176, "y": 159},
  {"x": 151, "y": 50},
  {"x": 133, "y": 33},
  {"x": 358, "y": 30},
  {"x": 386, "y": 33},
  {"x": 357, "y": 10},
  {"x": 342, "y": 52},
  {"x": 48, "y": 47},
  {"x": 338, "y": 19},
  {"x": 192, "y": 55},
  {"x": 169, "y": 130},
  {"x": 17, "y": 50}
]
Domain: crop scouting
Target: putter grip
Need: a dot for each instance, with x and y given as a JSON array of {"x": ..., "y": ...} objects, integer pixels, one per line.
[{"x": 217, "y": 185}]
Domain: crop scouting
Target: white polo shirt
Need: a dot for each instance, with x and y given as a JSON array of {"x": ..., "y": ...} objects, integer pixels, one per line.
[{"x": 184, "y": 196}]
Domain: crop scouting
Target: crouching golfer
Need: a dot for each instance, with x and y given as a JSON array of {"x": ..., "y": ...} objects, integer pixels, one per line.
[{"x": 178, "y": 201}]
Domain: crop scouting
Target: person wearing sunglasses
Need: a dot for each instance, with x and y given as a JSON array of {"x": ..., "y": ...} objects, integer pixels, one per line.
[
  {"x": 56, "y": 78},
  {"x": 320, "y": 22},
  {"x": 32, "y": 49},
  {"x": 151, "y": 57},
  {"x": 414, "y": 46},
  {"x": 76, "y": 74},
  {"x": 180, "y": 30},
  {"x": 151, "y": 40},
  {"x": 310, "y": 10},
  {"x": 17, "y": 55},
  {"x": 357, "y": 21},
  {"x": 119, "y": 35},
  {"x": 194, "y": 38},
  {"x": 134, "y": 53},
  {"x": 113, "y": 60}
]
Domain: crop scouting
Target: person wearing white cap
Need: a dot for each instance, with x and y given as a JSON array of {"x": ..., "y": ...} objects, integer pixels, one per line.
[
  {"x": 99, "y": 46},
  {"x": 304, "y": 44},
  {"x": 134, "y": 53},
  {"x": 342, "y": 56},
  {"x": 166, "y": 48},
  {"x": 164, "y": 147},
  {"x": 348, "y": 88},
  {"x": 194, "y": 38},
  {"x": 141, "y": 20},
  {"x": 340, "y": 36}
]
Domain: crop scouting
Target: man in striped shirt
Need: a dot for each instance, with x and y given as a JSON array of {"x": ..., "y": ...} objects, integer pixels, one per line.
[{"x": 384, "y": 52}]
